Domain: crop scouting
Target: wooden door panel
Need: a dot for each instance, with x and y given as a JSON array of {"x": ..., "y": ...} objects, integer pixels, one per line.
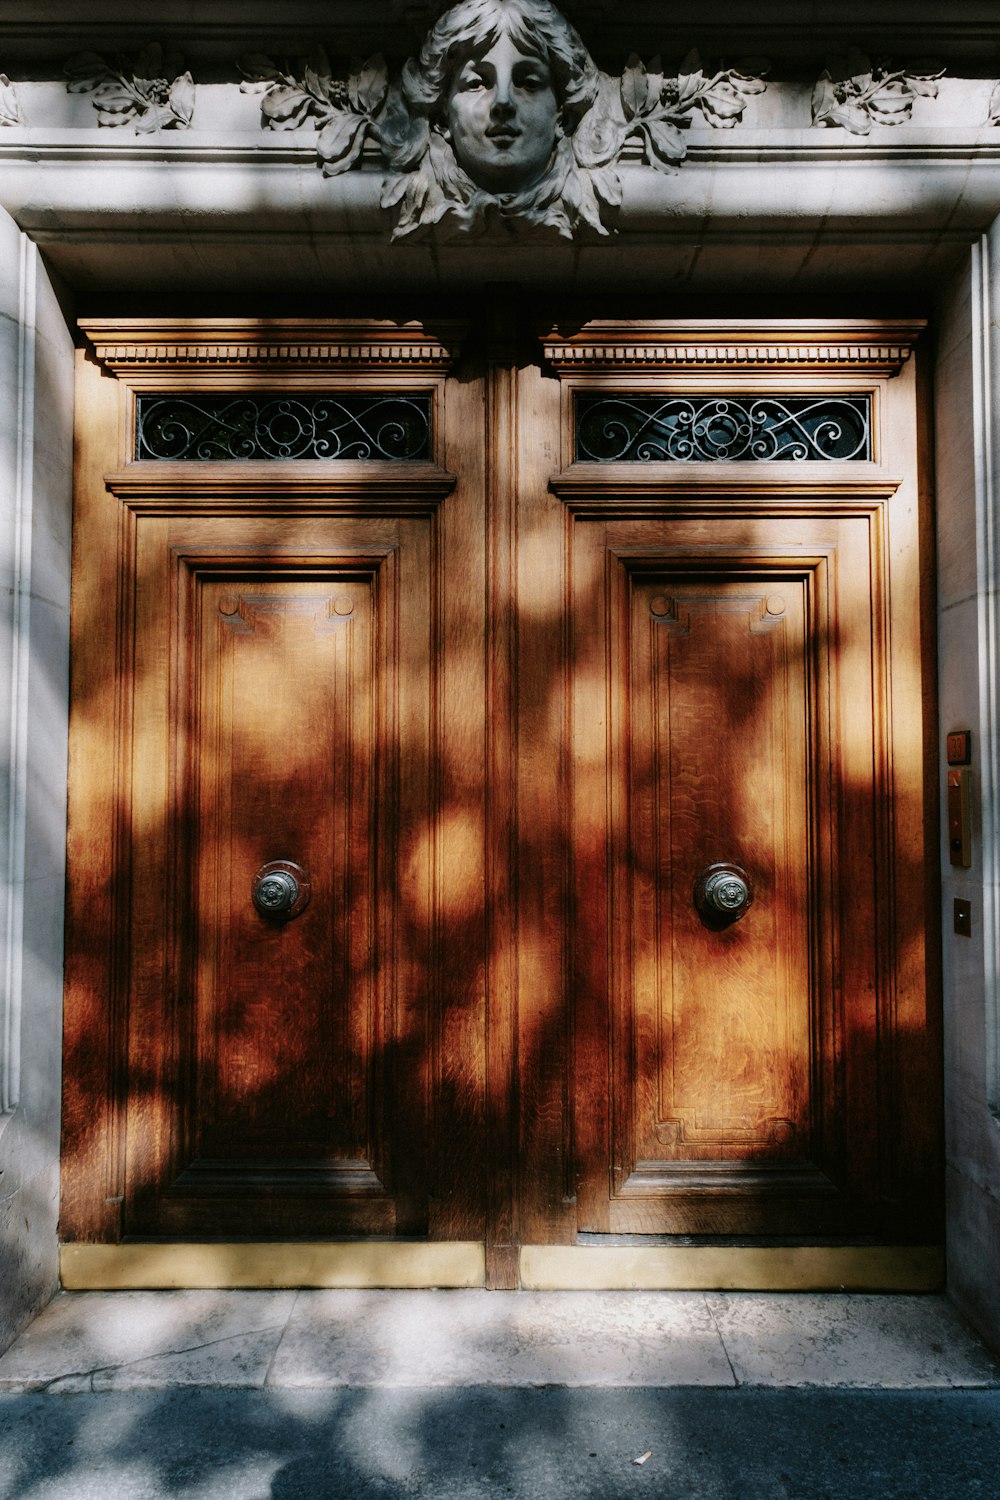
[
  {"x": 286, "y": 767},
  {"x": 277, "y": 1092},
  {"x": 277, "y": 659},
  {"x": 707, "y": 673},
  {"x": 715, "y": 719}
]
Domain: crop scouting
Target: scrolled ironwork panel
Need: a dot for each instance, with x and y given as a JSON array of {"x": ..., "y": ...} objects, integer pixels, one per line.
[
  {"x": 696, "y": 429},
  {"x": 282, "y": 425}
]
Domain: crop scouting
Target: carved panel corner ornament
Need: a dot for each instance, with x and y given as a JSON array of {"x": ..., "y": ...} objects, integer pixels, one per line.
[{"x": 503, "y": 118}]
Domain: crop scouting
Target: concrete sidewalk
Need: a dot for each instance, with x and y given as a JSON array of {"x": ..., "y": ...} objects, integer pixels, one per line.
[
  {"x": 107, "y": 1341},
  {"x": 472, "y": 1396}
]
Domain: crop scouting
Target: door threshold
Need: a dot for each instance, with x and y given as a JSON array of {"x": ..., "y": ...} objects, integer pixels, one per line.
[
  {"x": 294, "y": 1263},
  {"x": 736, "y": 1268},
  {"x": 462, "y": 1265}
]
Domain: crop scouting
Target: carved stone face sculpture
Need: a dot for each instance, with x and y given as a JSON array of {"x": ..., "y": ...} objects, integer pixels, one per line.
[
  {"x": 504, "y": 123},
  {"x": 503, "y": 117},
  {"x": 500, "y": 81}
]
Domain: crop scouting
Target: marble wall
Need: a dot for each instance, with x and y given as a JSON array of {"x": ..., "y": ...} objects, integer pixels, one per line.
[
  {"x": 36, "y": 412},
  {"x": 967, "y": 396}
]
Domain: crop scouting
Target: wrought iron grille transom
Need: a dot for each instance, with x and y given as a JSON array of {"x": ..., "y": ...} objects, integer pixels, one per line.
[
  {"x": 284, "y": 425},
  {"x": 697, "y": 429}
]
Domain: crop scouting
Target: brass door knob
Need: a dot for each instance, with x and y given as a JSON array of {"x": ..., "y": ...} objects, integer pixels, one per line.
[
  {"x": 280, "y": 890},
  {"x": 723, "y": 894}
]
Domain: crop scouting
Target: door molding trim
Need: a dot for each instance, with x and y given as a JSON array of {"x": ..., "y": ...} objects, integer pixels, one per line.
[
  {"x": 803, "y": 489},
  {"x": 306, "y": 487}
]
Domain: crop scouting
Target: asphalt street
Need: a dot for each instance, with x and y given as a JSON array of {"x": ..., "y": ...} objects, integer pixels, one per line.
[{"x": 469, "y": 1444}]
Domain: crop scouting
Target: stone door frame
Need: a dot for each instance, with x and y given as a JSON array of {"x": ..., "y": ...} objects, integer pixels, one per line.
[{"x": 35, "y": 458}]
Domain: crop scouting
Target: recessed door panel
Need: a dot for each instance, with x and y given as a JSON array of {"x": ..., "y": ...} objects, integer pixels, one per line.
[
  {"x": 287, "y": 767},
  {"x": 720, "y": 859},
  {"x": 716, "y": 774},
  {"x": 264, "y": 1073}
]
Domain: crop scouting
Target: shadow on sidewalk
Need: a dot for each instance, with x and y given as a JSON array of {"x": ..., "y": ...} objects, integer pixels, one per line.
[{"x": 707, "y": 1444}]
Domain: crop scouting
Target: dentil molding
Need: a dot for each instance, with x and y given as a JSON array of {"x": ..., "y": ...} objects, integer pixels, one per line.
[
  {"x": 190, "y": 348},
  {"x": 877, "y": 348}
]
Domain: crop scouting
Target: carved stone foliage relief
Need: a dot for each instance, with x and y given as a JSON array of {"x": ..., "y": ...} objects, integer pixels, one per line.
[
  {"x": 10, "y": 113},
  {"x": 151, "y": 91},
  {"x": 305, "y": 92},
  {"x": 856, "y": 94},
  {"x": 503, "y": 116}
]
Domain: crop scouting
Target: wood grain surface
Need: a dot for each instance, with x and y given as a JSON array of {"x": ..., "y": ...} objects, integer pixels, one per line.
[{"x": 504, "y": 708}]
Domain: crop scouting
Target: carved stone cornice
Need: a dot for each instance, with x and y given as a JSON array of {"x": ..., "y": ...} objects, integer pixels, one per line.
[
  {"x": 876, "y": 348},
  {"x": 196, "y": 348}
]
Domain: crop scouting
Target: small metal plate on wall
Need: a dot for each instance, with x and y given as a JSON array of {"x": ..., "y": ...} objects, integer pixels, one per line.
[{"x": 960, "y": 817}]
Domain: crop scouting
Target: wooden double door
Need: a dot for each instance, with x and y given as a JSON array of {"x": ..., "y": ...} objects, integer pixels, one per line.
[{"x": 499, "y": 845}]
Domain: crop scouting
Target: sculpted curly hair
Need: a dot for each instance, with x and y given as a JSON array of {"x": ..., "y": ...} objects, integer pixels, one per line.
[{"x": 471, "y": 28}]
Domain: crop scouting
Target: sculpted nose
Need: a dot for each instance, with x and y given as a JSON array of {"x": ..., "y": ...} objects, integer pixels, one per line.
[{"x": 503, "y": 103}]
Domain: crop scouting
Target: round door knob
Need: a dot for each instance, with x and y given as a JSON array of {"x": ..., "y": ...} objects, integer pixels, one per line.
[
  {"x": 723, "y": 894},
  {"x": 280, "y": 890}
]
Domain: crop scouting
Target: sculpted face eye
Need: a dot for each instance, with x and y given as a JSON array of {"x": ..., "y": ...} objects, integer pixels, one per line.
[
  {"x": 471, "y": 78},
  {"x": 532, "y": 77}
]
